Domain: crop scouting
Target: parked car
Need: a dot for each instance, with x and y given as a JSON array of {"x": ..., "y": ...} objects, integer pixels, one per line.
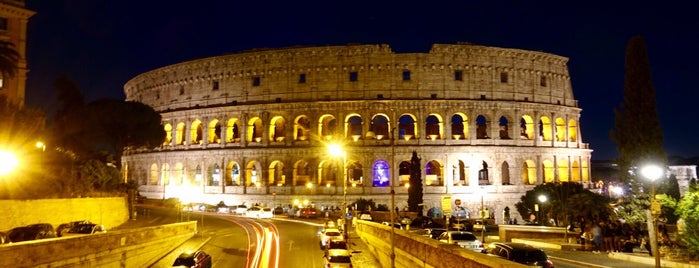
[
  {"x": 259, "y": 213},
  {"x": 64, "y": 227},
  {"x": 479, "y": 225},
  {"x": 240, "y": 209},
  {"x": 395, "y": 225},
  {"x": 365, "y": 216},
  {"x": 463, "y": 239},
  {"x": 308, "y": 212},
  {"x": 338, "y": 258},
  {"x": 193, "y": 259},
  {"x": 336, "y": 244},
  {"x": 330, "y": 234},
  {"x": 84, "y": 228},
  {"x": 520, "y": 252},
  {"x": 31, "y": 232},
  {"x": 434, "y": 232}
]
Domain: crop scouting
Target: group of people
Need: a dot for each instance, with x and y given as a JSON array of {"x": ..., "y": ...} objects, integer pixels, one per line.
[{"x": 615, "y": 236}]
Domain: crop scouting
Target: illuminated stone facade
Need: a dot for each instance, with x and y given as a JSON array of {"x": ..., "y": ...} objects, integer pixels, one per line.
[
  {"x": 13, "y": 29},
  {"x": 255, "y": 126}
]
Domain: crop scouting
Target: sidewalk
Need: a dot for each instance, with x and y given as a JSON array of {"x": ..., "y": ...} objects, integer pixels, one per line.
[{"x": 641, "y": 258}]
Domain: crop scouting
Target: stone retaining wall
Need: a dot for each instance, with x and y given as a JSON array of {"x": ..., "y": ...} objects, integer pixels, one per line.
[{"x": 110, "y": 211}]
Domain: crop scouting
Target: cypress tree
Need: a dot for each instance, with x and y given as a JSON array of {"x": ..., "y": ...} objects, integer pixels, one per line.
[
  {"x": 637, "y": 131},
  {"x": 415, "y": 190}
]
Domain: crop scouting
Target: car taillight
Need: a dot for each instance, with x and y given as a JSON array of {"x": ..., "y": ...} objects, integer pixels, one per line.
[{"x": 549, "y": 264}]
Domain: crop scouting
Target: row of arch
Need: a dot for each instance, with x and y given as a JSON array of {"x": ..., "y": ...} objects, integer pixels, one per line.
[
  {"x": 278, "y": 129},
  {"x": 329, "y": 172}
]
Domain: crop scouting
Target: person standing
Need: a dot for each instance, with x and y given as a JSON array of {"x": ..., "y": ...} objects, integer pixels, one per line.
[{"x": 596, "y": 237}]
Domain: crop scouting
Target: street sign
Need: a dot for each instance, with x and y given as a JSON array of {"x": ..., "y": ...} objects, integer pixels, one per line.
[{"x": 446, "y": 205}]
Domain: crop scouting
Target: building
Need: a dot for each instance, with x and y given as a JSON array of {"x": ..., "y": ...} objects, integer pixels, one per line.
[
  {"x": 255, "y": 126},
  {"x": 13, "y": 29}
]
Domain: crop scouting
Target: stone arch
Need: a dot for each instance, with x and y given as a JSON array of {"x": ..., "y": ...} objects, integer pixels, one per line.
[
  {"x": 233, "y": 174},
  {"x": 165, "y": 174},
  {"x": 434, "y": 126},
  {"x": 381, "y": 174},
  {"x": 545, "y": 128},
  {"x": 179, "y": 136},
  {"x": 254, "y": 133},
  {"x": 562, "y": 171},
  {"x": 253, "y": 177},
  {"x": 179, "y": 174},
  {"x": 575, "y": 172},
  {"x": 196, "y": 132},
  {"x": 275, "y": 174},
  {"x": 572, "y": 131},
  {"x": 505, "y": 173},
  {"x": 302, "y": 173},
  {"x": 354, "y": 127},
  {"x": 355, "y": 172},
  {"x": 482, "y": 127},
  {"x": 526, "y": 127},
  {"x": 154, "y": 174},
  {"x": 302, "y": 128},
  {"x": 528, "y": 172},
  {"x": 233, "y": 130},
  {"x": 407, "y": 127},
  {"x": 328, "y": 172},
  {"x": 460, "y": 173},
  {"x": 504, "y": 128},
  {"x": 168, "y": 135},
  {"x": 459, "y": 126},
  {"x": 548, "y": 169},
  {"x": 277, "y": 129},
  {"x": 560, "y": 129},
  {"x": 434, "y": 173},
  {"x": 404, "y": 172},
  {"x": 214, "y": 131},
  {"x": 327, "y": 126},
  {"x": 585, "y": 171},
  {"x": 214, "y": 175},
  {"x": 379, "y": 126}
]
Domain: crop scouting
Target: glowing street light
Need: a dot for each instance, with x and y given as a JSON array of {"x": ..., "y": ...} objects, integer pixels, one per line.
[
  {"x": 653, "y": 173},
  {"x": 8, "y": 162},
  {"x": 337, "y": 151}
]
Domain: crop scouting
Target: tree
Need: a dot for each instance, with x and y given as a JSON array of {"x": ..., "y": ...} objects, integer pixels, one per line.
[
  {"x": 116, "y": 125},
  {"x": 415, "y": 190},
  {"x": 689, "y": 232},
  {"x": 565, "y": 201},
  {"x": 8, "y": 59},
  {"x": 637, "y": 132}
]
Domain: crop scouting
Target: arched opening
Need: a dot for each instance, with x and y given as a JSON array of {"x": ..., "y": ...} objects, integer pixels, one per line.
[
  {"x": 434, "y": 173},
  {"x": 407, "y": 129},
  {"x": 505, "y": 173},
  {"x": 481, "y": 127},
  {"x": 381, "y": 174},
  {"x": 459, "y": 126}
]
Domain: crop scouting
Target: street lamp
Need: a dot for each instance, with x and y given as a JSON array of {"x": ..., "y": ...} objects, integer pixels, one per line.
[
  {"x": 8, "y": 162},
  {"x": 542, "y": 200},
  {"x": 336, "y": 150},
  {"x": 653, "y": 173},
  {"x": 391, "y": 181}
]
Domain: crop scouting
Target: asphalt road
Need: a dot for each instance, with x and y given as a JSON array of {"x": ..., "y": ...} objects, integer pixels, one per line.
[{"x": 236, "y": 241}]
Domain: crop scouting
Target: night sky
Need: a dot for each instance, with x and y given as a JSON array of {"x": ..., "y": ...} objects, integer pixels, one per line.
[{"x": 103, "y": 44}]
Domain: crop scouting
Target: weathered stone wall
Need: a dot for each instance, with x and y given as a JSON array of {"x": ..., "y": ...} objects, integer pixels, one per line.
[
  {"x": 121, "y": 248},
  {"x": 412, "y": 250},
  {"x": 110, "y": 212}
]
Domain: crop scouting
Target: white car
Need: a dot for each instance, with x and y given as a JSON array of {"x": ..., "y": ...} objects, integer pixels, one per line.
[
  {"x": 338, "y": 258},
  {"x": 330, "y": 234},
  {"x": 259, "y": 213},
  {"x": 463, "y": 239},
  {"x": 240, "y": 209}
]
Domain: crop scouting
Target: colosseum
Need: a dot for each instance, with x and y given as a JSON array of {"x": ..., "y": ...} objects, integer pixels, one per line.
[{"x": 487, "y": 124}]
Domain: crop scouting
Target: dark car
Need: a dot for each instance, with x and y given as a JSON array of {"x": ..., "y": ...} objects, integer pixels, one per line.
[
  {"x": 308, "y": 213},
  {"x": 520, "y": 252},
  {"x": 64, "y": 227},
  {"x": 30, "y": 232},
  {"x": 83, "y": 229},
  {"x": 193, "y": 259}
]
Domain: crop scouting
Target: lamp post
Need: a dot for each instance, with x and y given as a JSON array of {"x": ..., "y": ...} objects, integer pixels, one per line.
[
  {"x": 542, "y": 200},
  {"x": 336, "y": 150},
  {"x": 391, "y": 136},
  {"x": 653, "y": 173},
  {"x": 483, "y": 193}
]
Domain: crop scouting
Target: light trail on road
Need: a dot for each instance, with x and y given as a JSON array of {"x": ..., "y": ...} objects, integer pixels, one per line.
[{"x": 263, "y": 242}]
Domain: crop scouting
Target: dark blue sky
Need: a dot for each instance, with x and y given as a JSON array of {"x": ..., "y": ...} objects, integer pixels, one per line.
[{"x": 103, "y": 44}]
